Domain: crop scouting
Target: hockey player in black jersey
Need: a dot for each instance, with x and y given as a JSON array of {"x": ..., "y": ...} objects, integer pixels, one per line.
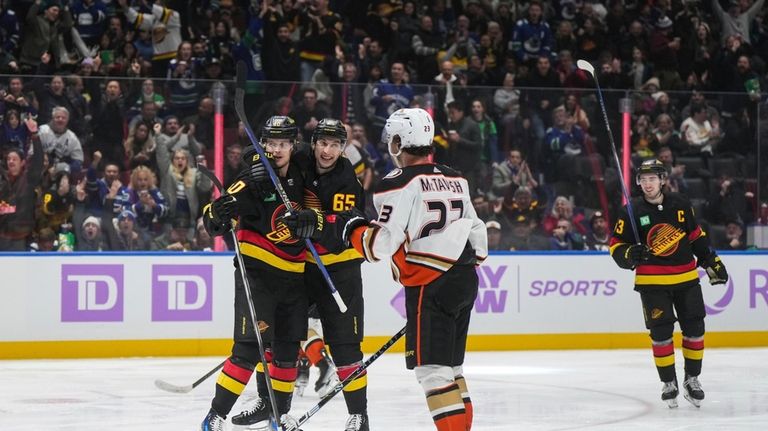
[
  {"x": 274, "y": 264},
  {"x": 332, "y": 187},
  {"x": 671, "y": 245}
]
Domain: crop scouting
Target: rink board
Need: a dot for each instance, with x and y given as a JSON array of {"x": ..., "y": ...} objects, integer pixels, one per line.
[{"x": 159, "y": 304}]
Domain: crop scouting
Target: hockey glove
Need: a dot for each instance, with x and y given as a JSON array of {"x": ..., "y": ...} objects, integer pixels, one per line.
[
  {"x": 224, "y": 209},
  {"x": 350, "y": 220},
  {"x": 258, "y": 177},
  {"x": 305, "y": 224},
  {"x": 715, "y": 269},
  {"x": 637, "y": 254}
]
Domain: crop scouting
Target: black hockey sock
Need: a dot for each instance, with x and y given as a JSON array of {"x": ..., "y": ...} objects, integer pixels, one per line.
[
  {"x": 230, "y": 384},
  {"x": 356, "y": 392},
  {"x": 664, "y": 357},
  {"x": 693, "y": 352}
]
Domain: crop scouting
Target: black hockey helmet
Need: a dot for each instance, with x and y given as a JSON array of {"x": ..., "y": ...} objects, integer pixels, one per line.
[
  {"x": 332, "y": 128},
  {"x": 651, "y": 166},
  {"x": 279, "y": 127}
]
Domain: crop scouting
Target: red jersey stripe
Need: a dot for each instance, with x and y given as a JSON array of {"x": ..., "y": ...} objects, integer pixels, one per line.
[
  {"x": 240, "y": 374},
  {"x": 258, "y": 240},
  {"x": 663, "y": 269}
]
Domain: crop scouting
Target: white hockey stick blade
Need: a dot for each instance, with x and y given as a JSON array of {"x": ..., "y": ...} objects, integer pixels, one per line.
[
  {"x": 168, "y": 387},
  {"x": 586, "y": 66}
]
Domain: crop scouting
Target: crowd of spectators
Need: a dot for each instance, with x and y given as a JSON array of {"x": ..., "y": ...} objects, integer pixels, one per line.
[{"x": 123, "y": 92}]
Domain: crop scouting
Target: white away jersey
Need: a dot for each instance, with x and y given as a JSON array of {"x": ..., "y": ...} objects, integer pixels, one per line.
[{"x": 426, "y": 219}]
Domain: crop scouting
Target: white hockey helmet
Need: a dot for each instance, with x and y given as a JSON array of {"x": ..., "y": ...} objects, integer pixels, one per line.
[{"x": 414, "y": 126}]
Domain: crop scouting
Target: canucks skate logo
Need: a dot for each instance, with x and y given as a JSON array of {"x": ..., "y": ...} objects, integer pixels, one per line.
[
  {"x": 280, "y": 232},
  {"x": 663, "y": 239}
]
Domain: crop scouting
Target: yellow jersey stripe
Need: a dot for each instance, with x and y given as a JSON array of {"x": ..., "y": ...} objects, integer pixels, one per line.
[
  {"x": 693, "y": 354},
  {"x": 230, "y": 384},
  {"x": 357, "y": 384},
  {"x": 666, "y": 279},
  {"x": 312, "y": 56},
  {"x": 282, "y": 386},
  {"x": 270, "y": 259},
  {"x": 330, "y": 259},
  {"x": 665, "y": 361},
  {"x": 164, "y": 56}
]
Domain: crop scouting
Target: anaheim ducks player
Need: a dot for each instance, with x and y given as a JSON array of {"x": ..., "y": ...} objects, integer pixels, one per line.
[
  {"x": 274, "y": 264},
  {"x": 428, "y": 228},
  {"x": 666, "y": 276}
]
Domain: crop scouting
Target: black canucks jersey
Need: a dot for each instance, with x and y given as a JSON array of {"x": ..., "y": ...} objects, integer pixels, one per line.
[
  {"x": 671, "y": 232},
  {"x": 332, "y": 192},
  {"x": 264, "y": 239}
]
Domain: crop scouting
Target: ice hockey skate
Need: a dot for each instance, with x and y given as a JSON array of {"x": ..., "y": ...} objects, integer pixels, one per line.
[
  {"x": 669, "y": 394},
  {"x": 212, "y": 422},
  {"x": 692, "y": 390},
  {"x": 328, "y": 379},
  {"x": 256, "y": 417},
  {"x": 303, "y": 377},
  {"x": 357, "y": 422}
]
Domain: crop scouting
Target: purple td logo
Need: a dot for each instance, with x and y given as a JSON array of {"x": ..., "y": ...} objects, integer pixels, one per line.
[
  {"x": 182, "y": 293},
  {"x": 91, "y": 293}
]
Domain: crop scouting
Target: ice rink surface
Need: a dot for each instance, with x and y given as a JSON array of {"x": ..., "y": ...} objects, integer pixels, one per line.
[{"x": 543, "y": 390}]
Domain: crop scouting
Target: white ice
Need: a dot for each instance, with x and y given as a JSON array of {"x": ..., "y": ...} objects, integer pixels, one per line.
[{"x": 542, "y": 390}]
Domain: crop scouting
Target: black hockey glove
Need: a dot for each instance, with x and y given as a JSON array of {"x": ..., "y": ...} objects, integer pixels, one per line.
[
  {"x": 258, "y": 177},
  {"x": 637, "y": 254},
  {"x": 224, "y": 209},
  {"x": 305, "y": 224},
  {"x": 350, "y": 220},
  {"x": 715, "y": 269},
  {"x": 217, "y": 216}
]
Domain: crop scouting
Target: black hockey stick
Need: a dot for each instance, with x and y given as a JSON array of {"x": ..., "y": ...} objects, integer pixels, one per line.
[
  {"x": 587, "y": 67},
  {"x": 274, "y": 421},
  {"x": 169, "y": 387},
  {"x": 340, "y": 386},
  {"x": 240, "y": 110}
]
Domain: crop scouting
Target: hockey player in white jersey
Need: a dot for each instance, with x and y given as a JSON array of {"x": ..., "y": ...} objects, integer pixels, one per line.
[{"x": 429, "y": 230}]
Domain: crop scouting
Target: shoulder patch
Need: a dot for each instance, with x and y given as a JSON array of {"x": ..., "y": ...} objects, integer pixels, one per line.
[{"x": 394, "y": 173}]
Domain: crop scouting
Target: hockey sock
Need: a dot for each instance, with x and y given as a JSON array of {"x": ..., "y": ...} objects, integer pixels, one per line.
[
  {"x": 664, "y": 357},
  {"x": 314, "y": 347},
  {"x": 693, "y": 352},
  {"x": 356, "y": 392},
  {"x": 447, "y": 408},
  {"x": 230, "y": 384},
  {"x": 467, "y": 401},
  {"x": 283, "y": 383}
]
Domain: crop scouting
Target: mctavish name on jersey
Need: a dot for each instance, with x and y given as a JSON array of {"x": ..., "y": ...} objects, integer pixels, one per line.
[{"x": 439, "y": 184}]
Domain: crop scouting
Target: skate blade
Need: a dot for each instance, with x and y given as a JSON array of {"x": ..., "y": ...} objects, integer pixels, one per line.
[
  {"x": 258, "y": 426},
  {"x": 696, "y": 403},
  {"x": 671, "y": 403}
]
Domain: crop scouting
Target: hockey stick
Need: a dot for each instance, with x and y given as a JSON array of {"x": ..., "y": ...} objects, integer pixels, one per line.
[
  {"x": 274, "y": 421},
  {"x": 240, "y": 110},
  {"x": 587, "y": 67},
  {"x": 169, "y": 387},
  {"x": 340, "y": 386}
]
